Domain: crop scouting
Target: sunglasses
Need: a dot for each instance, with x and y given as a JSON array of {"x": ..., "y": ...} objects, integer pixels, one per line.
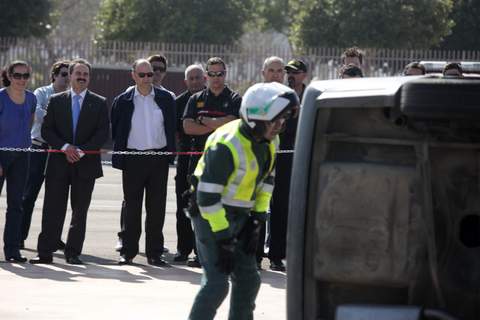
[
  {"x": 145, "y": 74},
  {"x": 294, "y": 72},
  {"x": 18, "y": 76},
  {"x": 161, "y": 69},
  {"x": 63, "y": 74},
  {"x": 216, "y": 74}
]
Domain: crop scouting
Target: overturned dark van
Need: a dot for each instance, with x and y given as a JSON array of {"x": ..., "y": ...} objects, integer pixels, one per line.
[{"x": 384, "y": 222}]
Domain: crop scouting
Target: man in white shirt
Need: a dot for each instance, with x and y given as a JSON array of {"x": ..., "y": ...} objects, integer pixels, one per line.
[
  {"x": 159, "y": 66},
  {"x": 143, "y": 119}
]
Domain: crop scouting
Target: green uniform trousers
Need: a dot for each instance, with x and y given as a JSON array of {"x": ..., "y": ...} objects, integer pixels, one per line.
[{"x": 245, "y": 277}]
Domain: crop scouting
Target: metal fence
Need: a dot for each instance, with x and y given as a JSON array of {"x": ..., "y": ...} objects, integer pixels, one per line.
[{"x": 244, "y": 63}]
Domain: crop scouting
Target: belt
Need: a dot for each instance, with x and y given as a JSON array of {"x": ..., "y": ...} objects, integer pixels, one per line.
[{"x": 39, "y": 143}]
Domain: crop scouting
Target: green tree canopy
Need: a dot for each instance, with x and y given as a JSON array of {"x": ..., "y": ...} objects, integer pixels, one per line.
[
  {"x": 267, "y": 15},
  {"x": 466, "y": 32},
  {"x": 372, "y": 23},
  {"x": 25, "y": 18},
  {"x": 200, "y": 21}
]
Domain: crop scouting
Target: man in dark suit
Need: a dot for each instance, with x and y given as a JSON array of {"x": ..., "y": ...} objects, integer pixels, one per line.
[
  {"x": 143, "y": 119},
  {"x": 76, "y": 121}
]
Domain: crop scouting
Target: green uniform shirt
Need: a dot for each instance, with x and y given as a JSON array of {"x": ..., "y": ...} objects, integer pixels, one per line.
[{"x": 219, "y": 166}]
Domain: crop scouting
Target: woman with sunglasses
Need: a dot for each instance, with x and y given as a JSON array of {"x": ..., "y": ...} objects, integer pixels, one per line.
[{"x": 17, "y": 106}]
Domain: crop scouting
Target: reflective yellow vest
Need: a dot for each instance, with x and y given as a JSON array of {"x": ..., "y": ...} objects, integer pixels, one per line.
[{"x": 241, "y": 190}]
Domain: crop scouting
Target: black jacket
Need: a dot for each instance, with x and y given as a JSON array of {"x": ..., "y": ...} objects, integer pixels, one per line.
[
  {"x": 91, "y": 134},
  {"x": 121, "y": 117}
]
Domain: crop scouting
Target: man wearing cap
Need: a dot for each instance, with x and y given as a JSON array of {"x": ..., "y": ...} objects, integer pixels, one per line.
[{"x": 296, "y": 74}]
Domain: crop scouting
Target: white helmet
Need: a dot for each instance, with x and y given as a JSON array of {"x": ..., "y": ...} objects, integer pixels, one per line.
[{"x": 265, "y": 101}]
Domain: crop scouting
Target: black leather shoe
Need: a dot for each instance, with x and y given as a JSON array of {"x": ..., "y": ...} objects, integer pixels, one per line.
[
  {"x": 159, "y": 262},
  {"x": 73, "y": 260},
  {"x": 277, "y": 265},
  {"x": 180, "y": 257},
  {"x": 61, "y": 245},
  {"x": 124, "y": 260},
  {"x": 19, "y": 259},
  {"x": 194, "y": 263},
  {"x": 41, "y": 260}
]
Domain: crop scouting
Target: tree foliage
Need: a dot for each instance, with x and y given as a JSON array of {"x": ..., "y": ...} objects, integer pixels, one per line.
[
  {"x": 26, "y": 18},
  {"x": 267, "y": 15},
  {"x": 466, "y": 32},
  {"x": 194, "y": 21},
  {"x": 75, "y": 19},
  {"x": 372, "y": 23}
]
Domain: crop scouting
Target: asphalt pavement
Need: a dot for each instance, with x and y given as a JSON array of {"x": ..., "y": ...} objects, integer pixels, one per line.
[{"x": 101, "y": 289}]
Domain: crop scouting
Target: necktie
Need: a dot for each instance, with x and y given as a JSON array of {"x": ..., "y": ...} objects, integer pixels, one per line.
[{"x": 75, "y": 113}]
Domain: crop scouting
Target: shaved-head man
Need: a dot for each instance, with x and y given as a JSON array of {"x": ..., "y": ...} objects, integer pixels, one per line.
[
  {"x": 273, "y": 70},
  {"x": 143, "y": 119}
]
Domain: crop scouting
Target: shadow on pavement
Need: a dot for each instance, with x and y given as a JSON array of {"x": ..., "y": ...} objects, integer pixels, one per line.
[
  {"x": 172, "y": 273},
  {"x": 68, "y": 273},
  {"x": 274, "y": 279}
]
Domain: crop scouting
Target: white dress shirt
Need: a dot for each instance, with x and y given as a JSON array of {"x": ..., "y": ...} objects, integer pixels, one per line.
[
  {"x": 174, "y": 96},
  {"x": 148, "y": 129}
]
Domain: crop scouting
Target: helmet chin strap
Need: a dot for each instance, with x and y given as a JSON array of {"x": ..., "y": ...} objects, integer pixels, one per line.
[{"x": 258, "y": 131}]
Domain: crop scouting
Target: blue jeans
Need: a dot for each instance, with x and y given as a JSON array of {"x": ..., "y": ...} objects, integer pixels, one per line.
[
  {"x": 245, "y": 277},
  {"x": 36, "y": 176},
  {"x": 15, "y": 167}
]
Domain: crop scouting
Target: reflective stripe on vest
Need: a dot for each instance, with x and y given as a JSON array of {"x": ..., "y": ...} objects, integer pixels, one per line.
[{"x": 241, "y": 186}]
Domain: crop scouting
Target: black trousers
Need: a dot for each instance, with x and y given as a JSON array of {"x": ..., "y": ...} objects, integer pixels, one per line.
[
  {"x": 15, "y": 167},
  {"x": 146, "y": 174},
  {"x": 36, "y": 176},
  {"x": 279, "y": 208},
  {"x": 185, "y": 236},
  {"x": 55, "y": 208}
]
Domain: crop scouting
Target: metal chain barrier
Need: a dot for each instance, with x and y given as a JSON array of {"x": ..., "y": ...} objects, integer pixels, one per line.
[{"x": 134, "y": 153}]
